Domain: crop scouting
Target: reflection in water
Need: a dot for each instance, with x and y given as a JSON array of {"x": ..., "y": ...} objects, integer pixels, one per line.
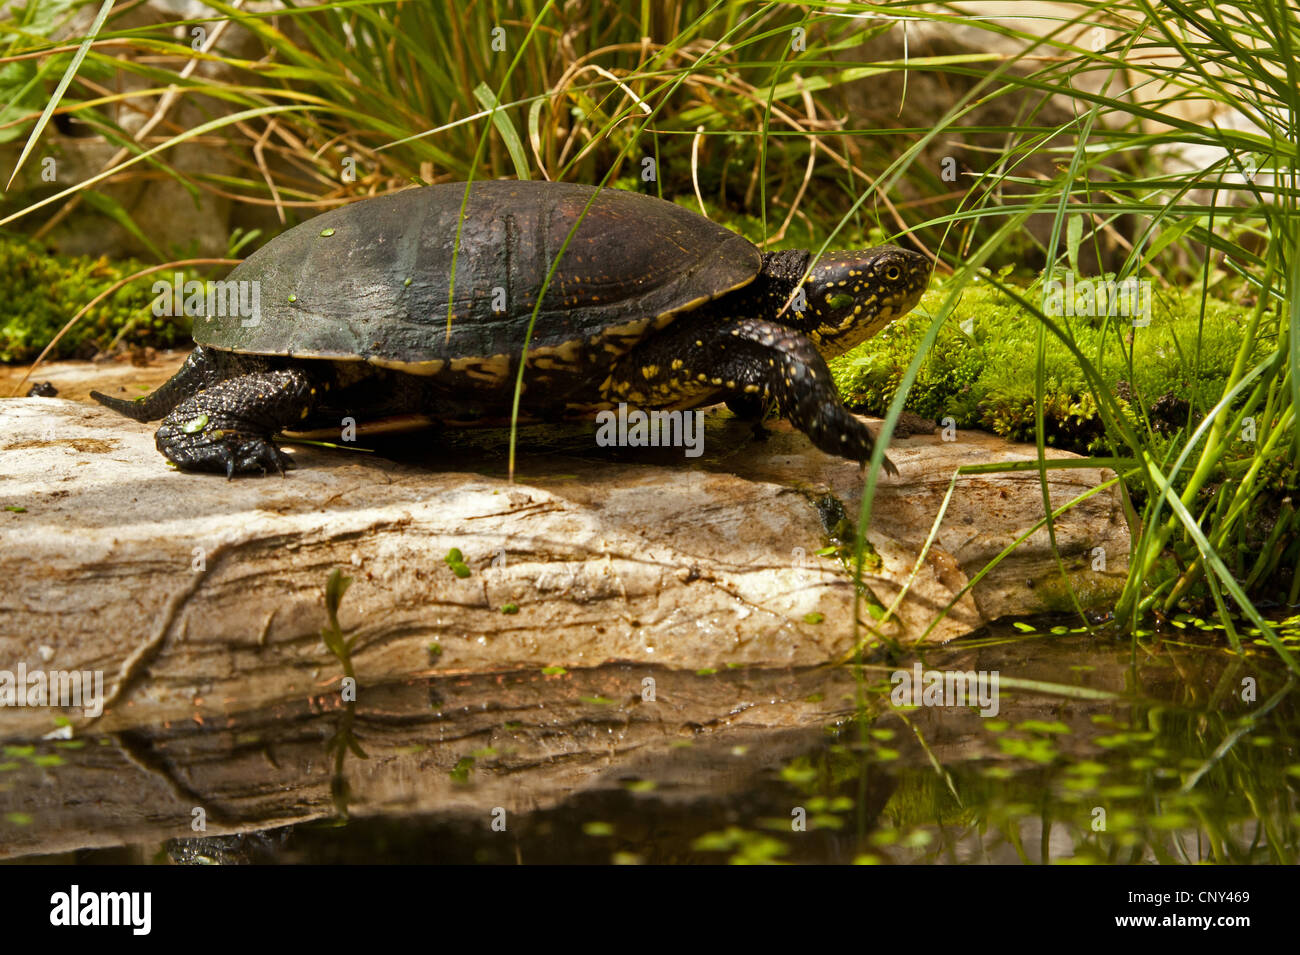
[{"x": 1101, "y": 751}]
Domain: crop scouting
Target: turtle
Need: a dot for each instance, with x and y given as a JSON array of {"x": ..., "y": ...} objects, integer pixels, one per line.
[{"x": 425, "y": 301}]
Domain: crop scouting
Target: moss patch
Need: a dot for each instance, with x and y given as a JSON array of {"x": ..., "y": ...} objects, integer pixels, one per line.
[
  {"x": 42, "y": 291},
  {"x": 985, "y": 379}
]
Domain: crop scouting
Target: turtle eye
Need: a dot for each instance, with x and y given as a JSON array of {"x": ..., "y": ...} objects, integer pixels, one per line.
[
  {"x": 841, "y": 300},
  {"x": 893, "y": 273}
]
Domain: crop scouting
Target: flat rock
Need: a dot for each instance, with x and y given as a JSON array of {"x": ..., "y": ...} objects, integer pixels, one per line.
[{"x": 198, "y": 597}]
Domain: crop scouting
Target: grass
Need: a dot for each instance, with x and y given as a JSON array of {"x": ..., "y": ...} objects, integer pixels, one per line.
[
  {"x": 1183, "y": 232},
  {"x": 1088, "y": 148}
]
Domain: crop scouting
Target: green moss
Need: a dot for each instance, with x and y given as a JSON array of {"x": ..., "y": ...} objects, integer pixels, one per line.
[
  {"x": 42, "y": 291},
  {"x": 985, "y": 379}
]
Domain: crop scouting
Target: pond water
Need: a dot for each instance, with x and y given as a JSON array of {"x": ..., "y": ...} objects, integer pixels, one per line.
[{"x": 1102, "y": 749}]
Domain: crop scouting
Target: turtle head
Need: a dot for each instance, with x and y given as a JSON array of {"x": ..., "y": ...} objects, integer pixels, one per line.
[{"x": 847, "y": 296}]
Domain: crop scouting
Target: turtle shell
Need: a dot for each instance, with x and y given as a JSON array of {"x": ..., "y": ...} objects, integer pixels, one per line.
[{"x": 372, "y": 280}]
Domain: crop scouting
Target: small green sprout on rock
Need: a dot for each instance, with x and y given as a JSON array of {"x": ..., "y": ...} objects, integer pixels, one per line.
[{"x": 456, "y": 561}]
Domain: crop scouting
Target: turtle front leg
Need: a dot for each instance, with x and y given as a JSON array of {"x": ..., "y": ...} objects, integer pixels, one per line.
[
  {"x": 228, "y": 426},
  {"x": 753, "y": 408},
  {"x": 749, "y": 407},
  {"x": 757, "y": 363}
]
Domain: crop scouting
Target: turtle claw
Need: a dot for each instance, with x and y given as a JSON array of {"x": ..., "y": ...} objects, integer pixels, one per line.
[
  {"x": 253, "y": 453},
  {"x": 228, "y": 427},
  {"x": 223, "y": 450}
]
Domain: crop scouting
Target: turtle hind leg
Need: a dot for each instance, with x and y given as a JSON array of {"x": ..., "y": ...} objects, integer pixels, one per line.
[
  {"x": 200, "y": 370},
  {"x": 228, "y": 427}
]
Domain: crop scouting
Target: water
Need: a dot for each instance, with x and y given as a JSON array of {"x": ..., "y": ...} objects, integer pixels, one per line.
[{"x": 1169, "y": 749}]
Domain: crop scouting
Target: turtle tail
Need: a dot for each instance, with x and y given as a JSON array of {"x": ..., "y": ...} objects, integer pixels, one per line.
[{"x": 199, "y": 371}]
